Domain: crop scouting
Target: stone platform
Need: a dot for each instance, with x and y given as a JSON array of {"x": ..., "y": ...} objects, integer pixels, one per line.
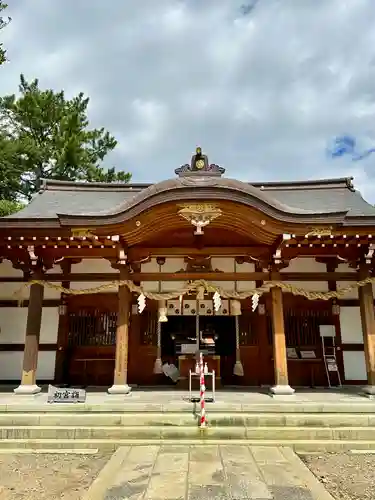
[
  {"x": 224, "y": 472},
  {"x": 307, "y": 421},
  {"x": 231, "y": 400}
]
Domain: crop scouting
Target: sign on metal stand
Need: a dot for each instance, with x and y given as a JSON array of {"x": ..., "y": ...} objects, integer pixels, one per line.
[{"x": 65, "y": 395}]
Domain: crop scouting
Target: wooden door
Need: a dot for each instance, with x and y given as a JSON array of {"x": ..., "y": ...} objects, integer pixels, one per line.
[{"x": 91, "y": 342}]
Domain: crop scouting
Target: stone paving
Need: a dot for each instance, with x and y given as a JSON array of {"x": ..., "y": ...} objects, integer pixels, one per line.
[
  {"x": 222, "y": 472},
  {"x": 241, "y": 397}
]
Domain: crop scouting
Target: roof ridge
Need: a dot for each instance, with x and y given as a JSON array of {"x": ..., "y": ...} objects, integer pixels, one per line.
[
  {"x": 53, "y": 184},
  {"x": 346, "y": 182},
  {"x": 57, "y": 185}
]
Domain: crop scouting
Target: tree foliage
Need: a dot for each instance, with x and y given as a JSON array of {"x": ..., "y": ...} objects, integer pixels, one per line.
[
  {"x": 44, "y": 135},
  {"x": 8, "y": 207},
  {"x": 3, "y": 22}
]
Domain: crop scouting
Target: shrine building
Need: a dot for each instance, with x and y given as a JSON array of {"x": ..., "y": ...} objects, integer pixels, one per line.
[{"x": 271, "y": 281}]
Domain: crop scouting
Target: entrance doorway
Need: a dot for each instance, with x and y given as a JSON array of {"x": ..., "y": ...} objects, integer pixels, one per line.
[{"x": 217, "y": 337}]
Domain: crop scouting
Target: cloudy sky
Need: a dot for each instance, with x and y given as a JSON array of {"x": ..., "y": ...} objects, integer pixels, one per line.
[{"x": 262, "y": 89}]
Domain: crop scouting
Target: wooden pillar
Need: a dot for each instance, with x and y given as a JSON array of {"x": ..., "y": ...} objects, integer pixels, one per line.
[
  {"x": 120, "y": 385},
  {"x": 30, "y": 355},
  {"x": 281, "y": 386},
  {"x": 366, "y": 302}
]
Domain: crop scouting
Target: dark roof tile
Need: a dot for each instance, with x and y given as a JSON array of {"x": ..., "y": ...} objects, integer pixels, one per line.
[{"x": 78, "y": 198}]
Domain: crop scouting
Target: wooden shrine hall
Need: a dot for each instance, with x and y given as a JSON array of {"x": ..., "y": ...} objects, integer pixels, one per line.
[{"x": 273, "y": 282}]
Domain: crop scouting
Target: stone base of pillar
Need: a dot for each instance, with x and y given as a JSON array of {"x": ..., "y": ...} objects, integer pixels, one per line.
[
  {"x": 120, "y": 389},
  {"x": 27, "y": 389},
  {"x": 369, "y": 391},
  {"x": 282, "y": 390},
  {"x": 238, "y": 369}
]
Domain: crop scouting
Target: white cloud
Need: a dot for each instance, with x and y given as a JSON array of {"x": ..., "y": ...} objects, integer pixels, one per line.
[{"x": 262, "y": 93}]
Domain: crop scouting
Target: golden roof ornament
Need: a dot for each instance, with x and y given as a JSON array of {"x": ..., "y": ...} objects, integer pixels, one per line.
[
  {"x": 318, "y": 231},
  {"x": 199, "y": 215},
  {"x": 200, "y": 166},
  {"x": 82, "y": 233}
]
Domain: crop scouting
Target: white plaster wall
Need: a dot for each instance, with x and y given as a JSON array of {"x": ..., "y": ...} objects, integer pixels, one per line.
[
  {"x": 8, "y": 291},
  {"x": 350, "y": 325},
  {"x": 11, "y": 365},
  {"x": 13, "y": 328},
  {"x": 354, "y": 365},
  {"x": 13, "y": 325},
  {"x": 94, "y": 266},
  {"x": 345, "y": 268},
  {"x": 171, "y": 265},
  {"x": 226, "y": 265},
  {"x": 46, "y": 365},
  {"x": 150, "y": 267},
  {"x": 307, "y": 265},
  {"x": 246, "y": 267}
]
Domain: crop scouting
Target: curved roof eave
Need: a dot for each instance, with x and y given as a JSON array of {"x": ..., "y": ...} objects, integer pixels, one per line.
[{"x": 184, "y": 189}]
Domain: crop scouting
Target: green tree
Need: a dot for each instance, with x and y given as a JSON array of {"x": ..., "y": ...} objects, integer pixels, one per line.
[
  {"x": 3, "y": 22},
  {"x": 8, "y": 207},
  {"x": 46, "y": 136}
]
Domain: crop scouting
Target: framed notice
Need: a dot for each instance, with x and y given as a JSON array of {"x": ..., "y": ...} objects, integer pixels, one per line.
[
  {"x": 291, "y": 353},
  {"x": 308, "y": 354},
  {"x": 332, "y": 365},
  {"x": 188, "y": 348}
]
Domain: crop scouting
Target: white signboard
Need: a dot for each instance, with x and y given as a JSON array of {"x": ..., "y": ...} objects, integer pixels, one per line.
[
  {"x": 65, "y": 395},
  {"x": 327, "y": 330},
  {"x": 308, "y": 355},
  {"x": 188, "y": 348},
  {"x": 291, "y": 353},
  {"x": 332, "y": 366}
]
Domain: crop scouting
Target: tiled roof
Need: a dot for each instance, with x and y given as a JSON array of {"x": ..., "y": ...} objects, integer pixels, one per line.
[{"x": 81, "y": 199}]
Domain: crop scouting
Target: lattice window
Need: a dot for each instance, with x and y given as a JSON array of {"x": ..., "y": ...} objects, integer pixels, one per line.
[
  {"x": 92, "y": 327},
  {"x": 248, "y": 329},
  {"x": 149, "y": 325},
  {"x": 301, "y": 326}
]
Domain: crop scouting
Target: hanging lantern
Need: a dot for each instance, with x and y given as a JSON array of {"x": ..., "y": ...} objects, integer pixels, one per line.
[
  {"x": 235, "y": 307},
  {"x": 162, "y": 312},
  {"x": 141, "y": 303},
  {"x": 217, "y": 301}
]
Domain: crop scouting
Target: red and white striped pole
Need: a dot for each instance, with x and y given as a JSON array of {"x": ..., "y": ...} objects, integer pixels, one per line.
[{"x": 202, "y": 392}]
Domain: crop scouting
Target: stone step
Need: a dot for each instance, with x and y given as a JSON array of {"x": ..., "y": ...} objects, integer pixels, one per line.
[
  {"x": 181, "y": 419},
  {"x": 300, "y": 446},
  {"x": 131, "y": 406},
  {"x": 187, "y": 432}
]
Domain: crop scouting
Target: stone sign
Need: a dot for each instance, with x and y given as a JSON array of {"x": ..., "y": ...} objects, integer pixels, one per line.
[{"x": 65, "y": 395}]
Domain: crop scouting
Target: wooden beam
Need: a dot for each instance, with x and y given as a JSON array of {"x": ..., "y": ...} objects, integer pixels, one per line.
[
  {"x": 136, "y": 277},
  {"x": 254, "y": 251}
]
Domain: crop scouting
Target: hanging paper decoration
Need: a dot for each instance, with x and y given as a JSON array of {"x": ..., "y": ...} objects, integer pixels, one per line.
[
  {"x": 141, "y": 303},
  {"x": 217, "y": 301},
  {"x": 235, "y": 307},
  {"x": 162, "y": 311},
  {"x": 255, "y": 301}
]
